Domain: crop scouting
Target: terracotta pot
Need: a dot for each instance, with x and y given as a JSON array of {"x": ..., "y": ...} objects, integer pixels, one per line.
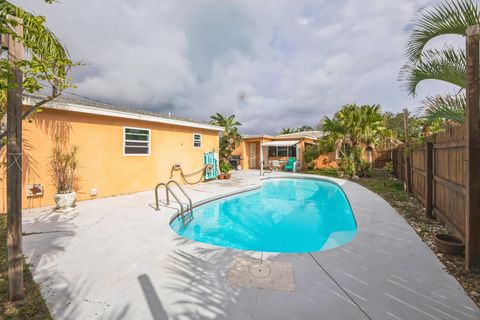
[
  {"x": 228, "y": 175},
  {"x": 221, "y": 176},
  {"x": 65, "y": 201},
  {"x": 448, "y": 244}
]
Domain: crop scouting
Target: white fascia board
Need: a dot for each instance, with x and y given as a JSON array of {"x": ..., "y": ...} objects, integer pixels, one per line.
[{"x": 73, "y": 107}]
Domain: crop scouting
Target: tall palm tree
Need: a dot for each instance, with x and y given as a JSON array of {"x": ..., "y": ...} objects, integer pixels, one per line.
[{"x": 450, "y": 17}]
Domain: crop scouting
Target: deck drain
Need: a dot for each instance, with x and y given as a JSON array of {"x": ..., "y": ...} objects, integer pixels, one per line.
[
  {"x": 263, "y": 274},
  {"x": 260, "y": 270}
]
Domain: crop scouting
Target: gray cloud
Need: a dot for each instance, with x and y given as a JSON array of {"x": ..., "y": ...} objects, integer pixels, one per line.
[{"x": 292, "y": 61}]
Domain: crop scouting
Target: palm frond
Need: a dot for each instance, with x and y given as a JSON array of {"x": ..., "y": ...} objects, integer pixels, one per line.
[
  {"x": 37, "y": 37},
  {"x": 450, "y": 108},
  {"x": 448, "y": 17},
  {"x": 447, "y": 65}
]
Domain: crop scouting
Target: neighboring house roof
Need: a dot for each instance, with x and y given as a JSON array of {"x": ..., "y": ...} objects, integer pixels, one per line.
[
  {"x": 105, "y": 109},
  {"x": 314, "y": 135}
]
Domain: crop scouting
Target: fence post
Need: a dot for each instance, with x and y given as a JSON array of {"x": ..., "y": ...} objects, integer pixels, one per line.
[
  {"x": 14, "y": 164},
  {"x": 429, "y": 179},
  {"x": 472, "y": 154},
  {"x": 408, "y": 177}
]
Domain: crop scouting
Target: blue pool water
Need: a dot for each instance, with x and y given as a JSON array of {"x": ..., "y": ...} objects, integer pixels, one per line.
[{"x": 285, "y": 215}]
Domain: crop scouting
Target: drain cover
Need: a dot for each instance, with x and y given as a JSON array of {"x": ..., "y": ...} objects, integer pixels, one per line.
[
  {"x": 259, "y": 270},
  {"x": 254, "y": 273}
]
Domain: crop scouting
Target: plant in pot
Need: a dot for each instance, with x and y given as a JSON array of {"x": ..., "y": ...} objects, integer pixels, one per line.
[
  {"x": 63, "y": 165},
  {"x": 225, "y": 169}
]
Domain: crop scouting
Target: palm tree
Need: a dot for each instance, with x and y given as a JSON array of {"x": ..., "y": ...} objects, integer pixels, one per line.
[
  {"x": 287, "y": 131},
  {"x": 448, "y": 65},
  {"x": 304, "y": 128},
  {"x": 231, "y": 138},
  {"x": 49, "y": 60},
  {"x": 354, "y": 128}
]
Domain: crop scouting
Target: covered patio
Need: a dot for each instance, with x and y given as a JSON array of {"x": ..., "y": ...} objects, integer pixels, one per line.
[{"x": 277, "y": 153}]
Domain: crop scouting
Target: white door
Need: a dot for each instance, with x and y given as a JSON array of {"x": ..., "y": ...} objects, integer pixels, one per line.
[{"x": 252, "y": 160}]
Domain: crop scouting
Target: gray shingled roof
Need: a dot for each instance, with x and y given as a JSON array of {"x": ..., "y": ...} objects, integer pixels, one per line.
[{"x": 105, "y": 106}]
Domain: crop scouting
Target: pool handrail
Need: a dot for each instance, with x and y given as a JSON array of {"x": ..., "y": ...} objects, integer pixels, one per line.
[
  {"x": 167, "y": 191},
  {"x": 183, "y": 191}
]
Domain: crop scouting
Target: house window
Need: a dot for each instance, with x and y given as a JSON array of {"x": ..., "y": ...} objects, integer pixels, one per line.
[
  {"x": 282, "y": 151},
  {"x": 292, "y": 151},
  {"x": 136, "y": 141},
  {"x": 272, "y": 151},
  {"x": 197, "y": 140}
]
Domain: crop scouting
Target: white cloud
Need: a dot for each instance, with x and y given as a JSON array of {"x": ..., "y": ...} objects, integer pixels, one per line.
[{"x": 292, "y": 61}]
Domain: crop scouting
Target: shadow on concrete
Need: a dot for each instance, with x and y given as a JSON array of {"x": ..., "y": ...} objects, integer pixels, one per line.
[
  {"x": 200, "y": 278},
  {"x": 154, "y": 303}
]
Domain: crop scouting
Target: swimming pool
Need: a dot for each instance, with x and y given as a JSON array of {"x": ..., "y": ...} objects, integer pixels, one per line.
[{"x": 285, "y": 215}]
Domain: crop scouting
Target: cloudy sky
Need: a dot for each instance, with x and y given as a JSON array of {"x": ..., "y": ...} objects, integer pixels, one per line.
[{"x": 274, "y": 64}]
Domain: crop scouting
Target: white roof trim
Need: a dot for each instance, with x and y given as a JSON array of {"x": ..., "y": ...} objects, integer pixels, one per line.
[
  {"x": 286, "y": 143},
  {"x": 76, "y": 107}
]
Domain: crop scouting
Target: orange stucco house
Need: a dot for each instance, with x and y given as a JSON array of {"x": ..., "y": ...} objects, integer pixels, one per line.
[
  {"x": 279, "y": 147},
  {"x": 109, "y": 164}
]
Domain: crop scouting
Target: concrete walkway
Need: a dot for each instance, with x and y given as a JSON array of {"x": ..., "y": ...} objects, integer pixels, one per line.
[{"x": 117, "y": 258}]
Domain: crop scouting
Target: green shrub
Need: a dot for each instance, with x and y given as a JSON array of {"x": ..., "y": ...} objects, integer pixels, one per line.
[
  {"x": 310, "y": 154},
  {"x": 366, "y": 169},
  {"x": 225, "y": 167},
  {"x": 388, "y": 167},
  {"x": 347, "y": 164}
]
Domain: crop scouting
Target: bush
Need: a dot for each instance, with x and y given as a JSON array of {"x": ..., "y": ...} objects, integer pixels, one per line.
[
  {"x": 347, "y": 164},
  {"x": 310, "y": 154},
  {"x": 225, "y": 167},
  {"x": 388, "y": 167},
  {"x": 366, "y": 169}
]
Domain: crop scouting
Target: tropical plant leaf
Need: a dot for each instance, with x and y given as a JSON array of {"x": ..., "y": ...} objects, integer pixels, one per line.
[
  {"x": 450, "y": 108},
  {"x": 447, "y": 65},
  {"x": 448, "y": 17}
]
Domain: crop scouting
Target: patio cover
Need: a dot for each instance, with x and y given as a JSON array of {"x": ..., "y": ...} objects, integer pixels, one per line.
[{"x": 286, "y": 143}]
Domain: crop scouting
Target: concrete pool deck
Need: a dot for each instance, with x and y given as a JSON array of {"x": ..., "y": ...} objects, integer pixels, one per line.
[{"x": 117, "y": 258}]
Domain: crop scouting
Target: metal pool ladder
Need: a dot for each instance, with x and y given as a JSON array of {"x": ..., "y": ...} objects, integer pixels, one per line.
[{"x": 185, "y": 213}]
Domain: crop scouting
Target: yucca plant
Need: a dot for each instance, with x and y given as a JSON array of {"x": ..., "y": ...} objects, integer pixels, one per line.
[{"x": 63, "y": 165}]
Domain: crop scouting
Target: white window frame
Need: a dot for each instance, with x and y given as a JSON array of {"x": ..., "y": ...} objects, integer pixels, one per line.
[
  {"x": 137, "y": 154},
  {"x": 200, "y": 135}
]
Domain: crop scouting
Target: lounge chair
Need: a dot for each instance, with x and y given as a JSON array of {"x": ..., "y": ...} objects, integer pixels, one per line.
[{"x": 290, "y": 165}]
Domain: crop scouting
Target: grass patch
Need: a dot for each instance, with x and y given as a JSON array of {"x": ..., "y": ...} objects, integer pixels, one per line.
[
  {"x": 323, "y": 172},
  {"x": 392, "y": 190},
  {"x": 33, "y": 307}
]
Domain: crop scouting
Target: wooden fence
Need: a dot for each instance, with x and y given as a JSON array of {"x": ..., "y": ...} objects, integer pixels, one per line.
[
  {"x": 381, "y": 158},
  {"x": 436, "y": 174}
]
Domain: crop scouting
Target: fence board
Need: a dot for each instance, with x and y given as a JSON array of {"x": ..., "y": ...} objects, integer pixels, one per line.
[{"x": 448, "y": 175}]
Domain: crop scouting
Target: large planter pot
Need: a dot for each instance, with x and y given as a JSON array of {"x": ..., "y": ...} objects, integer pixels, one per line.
[
  {"x": 448, "y": 244},
  {"x": 228, "y": 175},
  {"x": 65, "y": 201}
]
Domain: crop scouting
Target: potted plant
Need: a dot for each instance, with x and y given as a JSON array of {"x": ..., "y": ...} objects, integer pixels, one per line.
[
  {"x": 225, "y": 168},
  {"x": 63, "y": 167}
]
